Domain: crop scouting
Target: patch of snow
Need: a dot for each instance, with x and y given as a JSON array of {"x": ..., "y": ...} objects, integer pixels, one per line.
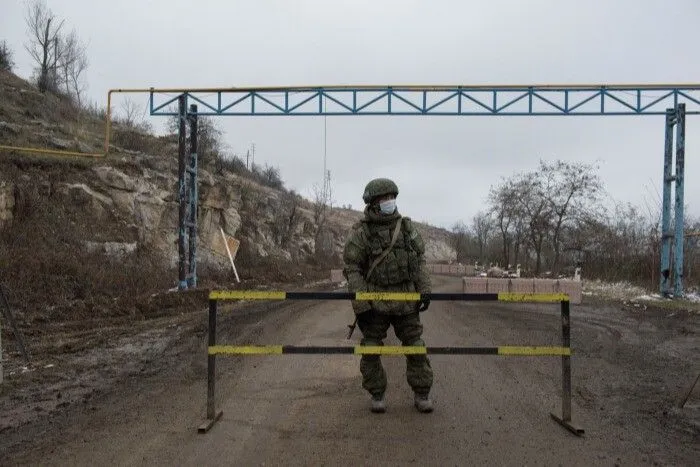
[
  {"x": 652, "y": 297},
  {"x": 693, "y": 297},
  {"x": 615, "y": 290},
  {"x": 629, "y": 293}
]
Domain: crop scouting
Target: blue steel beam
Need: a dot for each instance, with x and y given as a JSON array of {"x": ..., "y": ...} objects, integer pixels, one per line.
[
  {"x": 666, "y": 235},
  {"x": 543, "y": 100},
  {"x": 182, "y": 193},
  {"x": 193, "y": 198}
]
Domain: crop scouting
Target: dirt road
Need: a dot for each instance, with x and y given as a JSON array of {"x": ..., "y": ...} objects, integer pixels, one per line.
[{"x": 629, "y": 367}]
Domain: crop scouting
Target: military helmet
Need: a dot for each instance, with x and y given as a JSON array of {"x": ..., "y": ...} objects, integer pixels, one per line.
[{"x": 379, "y": 187}]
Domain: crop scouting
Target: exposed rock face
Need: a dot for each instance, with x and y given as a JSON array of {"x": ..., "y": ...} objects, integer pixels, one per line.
[
  {"x": 140, "y": 192},
  {"x": 437, "y": 248},
  {"x": 131, "y": 196}
]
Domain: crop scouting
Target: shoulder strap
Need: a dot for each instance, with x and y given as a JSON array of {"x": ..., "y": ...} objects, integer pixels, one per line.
[
  {"x": 379, "y": 259},
  {"x": 407, "y": 224},
  {"x": 365, "y": 227}
]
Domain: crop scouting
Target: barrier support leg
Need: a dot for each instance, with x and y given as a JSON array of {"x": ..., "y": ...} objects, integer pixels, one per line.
[
  {"x": 212, "y": 414},
  {"x": 565, "y": 419}
]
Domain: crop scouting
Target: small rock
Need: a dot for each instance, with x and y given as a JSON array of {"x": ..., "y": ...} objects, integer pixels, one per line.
[
  {"x": 9, "y": 128},
  {"x": 59, "y": 143}
]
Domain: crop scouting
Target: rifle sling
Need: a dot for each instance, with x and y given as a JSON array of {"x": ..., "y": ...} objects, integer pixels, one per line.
[{"x": 379, "y": 259}]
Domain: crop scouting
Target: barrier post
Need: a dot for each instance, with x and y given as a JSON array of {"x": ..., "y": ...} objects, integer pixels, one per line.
[
  {"x": 565, "y": 419},
  {"x": 212, "y": 414},
  {"x": 182, "y": 193}
]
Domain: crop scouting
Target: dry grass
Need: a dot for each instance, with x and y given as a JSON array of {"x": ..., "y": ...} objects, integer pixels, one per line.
[{"x": 50, "y": 274}]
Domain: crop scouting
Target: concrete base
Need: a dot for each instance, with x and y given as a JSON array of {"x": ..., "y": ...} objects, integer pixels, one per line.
[{"x": 572, "y": 288}]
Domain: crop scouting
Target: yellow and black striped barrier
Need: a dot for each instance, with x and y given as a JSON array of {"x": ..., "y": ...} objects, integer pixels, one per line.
[
  {"x": 523, "y": 351},
  {"x": 387, "y": 296},
  {"x": 563, "y": 351}
]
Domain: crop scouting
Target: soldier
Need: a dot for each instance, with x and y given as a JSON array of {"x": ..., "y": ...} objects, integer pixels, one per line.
[{"x": 384, "y": 253}]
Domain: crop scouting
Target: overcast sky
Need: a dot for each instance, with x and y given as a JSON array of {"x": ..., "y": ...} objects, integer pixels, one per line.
[{"x": 444, "y": 166}]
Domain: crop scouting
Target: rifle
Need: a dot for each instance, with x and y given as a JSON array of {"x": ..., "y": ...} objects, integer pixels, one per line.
[{"x": 352, "y": 328}]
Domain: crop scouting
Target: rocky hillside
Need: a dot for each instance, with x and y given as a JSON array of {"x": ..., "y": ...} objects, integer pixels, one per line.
[{"x": 98, "y": 230}]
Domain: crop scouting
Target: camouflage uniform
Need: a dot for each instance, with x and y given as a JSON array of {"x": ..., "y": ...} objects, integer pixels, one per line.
[{"x": 402, "y": 270}]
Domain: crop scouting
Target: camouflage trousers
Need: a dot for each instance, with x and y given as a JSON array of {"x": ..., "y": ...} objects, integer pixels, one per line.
[{"x": 408, "y": 329}]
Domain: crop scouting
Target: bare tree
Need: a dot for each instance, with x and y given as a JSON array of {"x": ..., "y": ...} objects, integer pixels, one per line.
[
  {"x": 6, "y": 59},
  {"x": 620, "y": 245},
  {"x": 210, "y": 144},
  {"x": 60, "y": 59},
  {"x": 73, "y": 64},
  {"x": 460, "y": 239},
  {"x": 691, "y": 251},
  {"x": 556, "y": 215},
  {"x": 504, "y": 204},
  {"x": 271, "y": 177},
  {"x": 569, "y": 188},
  {"x": 534, "y": 208},
  {"x": 43, "y": 44},
  {"x": 519, "y": 238},
  {"x": 482, "y": 225},
  {"x": 130, "y": 112}
]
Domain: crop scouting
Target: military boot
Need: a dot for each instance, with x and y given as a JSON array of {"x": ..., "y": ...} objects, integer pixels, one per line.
[
  {"x": 423, "y": 403},
  {"x": 378, "y": 403}
]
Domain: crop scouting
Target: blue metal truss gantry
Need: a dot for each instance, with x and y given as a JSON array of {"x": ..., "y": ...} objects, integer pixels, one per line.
[
  {"x": 507, "y": 100},
  {"x": 674, "y": 101}
]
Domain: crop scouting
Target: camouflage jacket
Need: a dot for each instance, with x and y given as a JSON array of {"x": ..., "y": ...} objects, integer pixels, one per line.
[{"x": 402, "y": 270}]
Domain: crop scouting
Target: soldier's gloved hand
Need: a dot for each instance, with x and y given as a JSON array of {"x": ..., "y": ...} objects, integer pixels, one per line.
[
  {"x": 361, "y": 307},
  {"x": 423, "y": 303}
]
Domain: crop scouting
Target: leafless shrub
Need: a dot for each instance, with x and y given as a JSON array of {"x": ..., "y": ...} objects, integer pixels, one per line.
[{"x": 6, "y": 57}]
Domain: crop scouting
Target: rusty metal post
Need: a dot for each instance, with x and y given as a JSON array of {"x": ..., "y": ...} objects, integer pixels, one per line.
[
  {"x": 212, "y": 414},
  {"x": 211, "y": 362},
  {"x": 678, "y": 212},
  {"x": 182, "y": 193},
  {"x": 566, "y": 362},
  {"x": 193, "y": 199},
  {"x": 565, "y": 419},
  {"x": 666, "y": 235}
]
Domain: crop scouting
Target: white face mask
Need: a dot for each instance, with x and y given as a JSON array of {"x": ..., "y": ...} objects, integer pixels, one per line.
[{"x": 388, "y": 206}]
